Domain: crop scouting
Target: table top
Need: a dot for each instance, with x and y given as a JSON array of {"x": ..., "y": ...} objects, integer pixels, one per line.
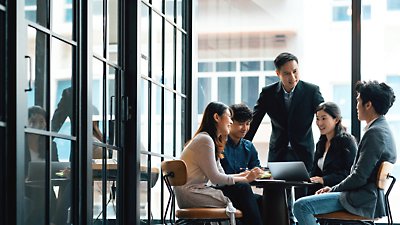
[{"x": 275, "y": 183}]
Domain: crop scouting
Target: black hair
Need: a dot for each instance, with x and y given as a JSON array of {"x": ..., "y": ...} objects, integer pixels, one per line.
[
  {"x": 283, "y": 58},
  {"x": 36, "y": 110},
  {"x": 380, "y": 95},
  {"x": 334, "y": 111},
  {"x": 241, "y": 112}
]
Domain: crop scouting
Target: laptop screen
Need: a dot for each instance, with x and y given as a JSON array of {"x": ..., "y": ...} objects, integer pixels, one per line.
[{"x": 289, "y": 171}]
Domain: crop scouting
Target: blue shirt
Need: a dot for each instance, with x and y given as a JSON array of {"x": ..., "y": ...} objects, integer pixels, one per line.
[{"x": 238, "y": 158}]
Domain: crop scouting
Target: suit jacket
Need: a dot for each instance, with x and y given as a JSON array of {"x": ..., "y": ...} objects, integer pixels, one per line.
[
  {"x": 292, "y": 125},
  {"x": 360, "y": 195},
  {"x": 338, "y": 159}
]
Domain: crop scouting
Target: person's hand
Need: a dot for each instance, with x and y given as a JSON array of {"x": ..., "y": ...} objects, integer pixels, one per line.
[
  {"x": 316, "y": 179},
  {"x": 251, "y": 176},
  {"x": 244, "y": 173},
  {"x": 258, "y": 171},
  {"x": 323, "y": 190}
]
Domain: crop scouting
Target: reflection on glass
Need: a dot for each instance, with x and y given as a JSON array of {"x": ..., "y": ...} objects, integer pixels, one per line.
[
  {"x": 112, "y": 48},
  {"x": 97, "y": 28},
  {"x": 64, "y": 21},
  {"x": 180, "y": 87},
  {"x": 144, "y": 207},
  {"x": 37, "y": 63},
  {"x": 37, "y": 153},
  {"x": 156, "y": 119},
  {"x": 169, "y": 56},
  {"x": 179, "y": 15},
  {"x": 36, "y": 11},
  {"x": 170, "y": 9},
  {"x": 144, "y": 114},
  {"x": 157, "y": 4},
  {"x": 168, "y": 123},
  {"x": 62, "y": 91},
  {"x": 144, "y": 40},
  {"x": 156, "y": 51},
  {"x": 104, "y": 185},
  {"x": 180, "y": 125}
]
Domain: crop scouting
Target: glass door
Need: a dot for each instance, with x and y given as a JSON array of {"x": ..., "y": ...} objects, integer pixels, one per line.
[{"x": 49, "y": 111}]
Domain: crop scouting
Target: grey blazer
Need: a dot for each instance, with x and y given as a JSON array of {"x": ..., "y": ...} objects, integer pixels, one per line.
[{"x": 360, "y": 195}]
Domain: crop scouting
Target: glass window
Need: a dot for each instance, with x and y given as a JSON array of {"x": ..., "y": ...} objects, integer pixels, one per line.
[
  {"x": 205, "y": 67},
  {"x": 36, "y": 12},
  {"x": 269, "y": 65},
  {"x": 170, "y": 9},
  {"x": 169, "y": 56},
  {"x": 97, "y": 28},
  {"x": 112, "y": 31},
  {"x": 250, "y": 90},
  {"x": 168, "y": 123},
  {"x": 250, "y": 66},
  {"x": 144, "y": 41},
  {"x": 271, "y": 79},
  {"x": 156, "y": 47},
  {"x": 226, "y": 90},
  {"x": 343, "y": 13},
  {"x": 61, "y": 73},
  {"x": 204, "y": 93},
  {"x": 393, "y": 5},
  {"x": 379, "y": 53},
  {"x": 180, "y": 75},
  {"x": 225, "y": 66},
  {"x": 63, "y": 22},
  {"x": 156, "y": 131}
]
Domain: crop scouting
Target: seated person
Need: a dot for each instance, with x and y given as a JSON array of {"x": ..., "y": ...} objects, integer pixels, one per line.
[
  {"x": 358, "y": 193},
  {"x": 202, "y": 157},
  {"x": 35, "y": 151},
  {"x": 335, "y": 150},
  {"x": 239, "y": 153}
]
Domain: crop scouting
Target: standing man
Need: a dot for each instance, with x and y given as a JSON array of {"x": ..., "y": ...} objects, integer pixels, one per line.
[{"x": 290, "y": 103}]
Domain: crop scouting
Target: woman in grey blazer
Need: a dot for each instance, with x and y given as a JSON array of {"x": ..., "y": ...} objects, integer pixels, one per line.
[{"x": 357, "y": 193}]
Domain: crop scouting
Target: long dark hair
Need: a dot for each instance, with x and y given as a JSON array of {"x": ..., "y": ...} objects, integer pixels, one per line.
[
  {"x": 209, "y": 125},
  {"x": 334, "y": 111}
]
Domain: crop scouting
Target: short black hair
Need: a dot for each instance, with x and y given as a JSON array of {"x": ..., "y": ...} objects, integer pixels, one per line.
[
  {"x": 283, "y": 58},
  {"x": 33, "y": 110},
  {"x": 380, "y": 95},
  {"x": 241, "y": 112}
]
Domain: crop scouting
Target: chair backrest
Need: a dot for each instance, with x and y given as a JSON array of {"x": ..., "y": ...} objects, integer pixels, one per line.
[
  {"x": 175, "y": 172},
  {"x": 383, "y": 174}
]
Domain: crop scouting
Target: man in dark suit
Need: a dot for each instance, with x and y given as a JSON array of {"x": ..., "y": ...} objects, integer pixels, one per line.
[
  {"x": 290, "y": 103},
  {"x": 358, "y": 192}
]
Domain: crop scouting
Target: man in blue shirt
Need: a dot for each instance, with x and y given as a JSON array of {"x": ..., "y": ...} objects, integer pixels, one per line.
[{"x": 239, "y": 154}]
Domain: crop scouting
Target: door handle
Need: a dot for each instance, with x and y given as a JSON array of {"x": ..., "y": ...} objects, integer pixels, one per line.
[{"x": 30, "y": 74}]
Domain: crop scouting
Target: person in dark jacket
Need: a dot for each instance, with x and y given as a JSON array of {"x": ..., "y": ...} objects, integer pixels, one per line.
[
  {"x": 358, "y": 193},
  {"x": 335, "y": 150}
]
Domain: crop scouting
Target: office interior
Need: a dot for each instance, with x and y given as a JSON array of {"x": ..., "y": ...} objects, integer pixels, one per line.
[{"x": 120, "y": 86}]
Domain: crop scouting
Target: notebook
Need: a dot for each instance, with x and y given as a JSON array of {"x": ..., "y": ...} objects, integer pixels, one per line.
[
  {"x": 289, "y": 171},
  {"x": 36, "y": 170}
]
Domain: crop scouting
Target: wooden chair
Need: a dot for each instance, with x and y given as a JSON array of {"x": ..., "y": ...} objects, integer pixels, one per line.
[
  {"x": 381, "y": 182},
  {"x": 174, "y": 173}
]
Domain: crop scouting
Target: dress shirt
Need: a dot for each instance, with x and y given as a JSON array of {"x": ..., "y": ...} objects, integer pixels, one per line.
[{"x": 238, "y": 158}]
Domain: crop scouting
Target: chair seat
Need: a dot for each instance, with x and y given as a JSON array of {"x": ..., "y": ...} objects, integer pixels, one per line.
[
  {"x": 343, "y": 215},
  {"x": 205, "y": 213}
]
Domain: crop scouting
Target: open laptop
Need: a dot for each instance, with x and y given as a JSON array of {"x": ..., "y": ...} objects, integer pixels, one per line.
[
  {"x": 289, "y": 171},
  {"x": 37, "y": 170}
]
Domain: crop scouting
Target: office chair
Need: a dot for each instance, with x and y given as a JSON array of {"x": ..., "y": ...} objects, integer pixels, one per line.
[
  {"x": 174, "y": 173},
  {"x": 343, "y": 216}
]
